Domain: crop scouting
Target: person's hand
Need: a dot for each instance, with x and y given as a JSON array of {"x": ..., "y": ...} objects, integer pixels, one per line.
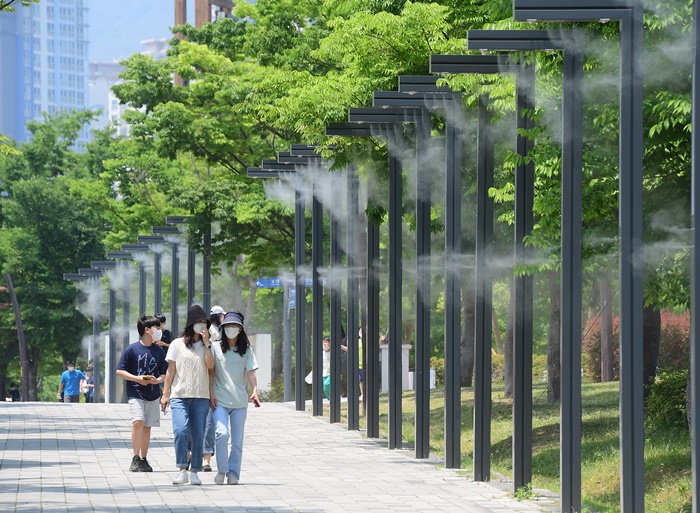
[
  {"x": 145, "y": 380},
  {"x": 205, "y": 338},
  {"x": 58, "y": 396},
  {"x": 255, "y": 399},
  {"x": 212, "y": 401},
  {"x": 164, "y": 402}
]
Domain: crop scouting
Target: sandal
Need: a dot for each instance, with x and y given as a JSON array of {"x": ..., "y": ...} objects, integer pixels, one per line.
[{"x": 206, "y": 467}]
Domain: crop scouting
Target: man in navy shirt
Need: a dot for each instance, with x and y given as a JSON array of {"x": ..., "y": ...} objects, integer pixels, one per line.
[
  {"x": 143, "y": 365},
  {"x": 69, "y": 387}
]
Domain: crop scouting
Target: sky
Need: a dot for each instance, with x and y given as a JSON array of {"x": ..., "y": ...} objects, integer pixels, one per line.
[{"x": 117, "y": 27}]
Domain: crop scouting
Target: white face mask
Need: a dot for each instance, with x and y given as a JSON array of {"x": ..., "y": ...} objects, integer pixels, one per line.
[
  {"x": 232, "y": 331},
  {"x": 157, "y": 335},
  {"x": 71, "y": 369},
  {"x": 200, "y": 327}
]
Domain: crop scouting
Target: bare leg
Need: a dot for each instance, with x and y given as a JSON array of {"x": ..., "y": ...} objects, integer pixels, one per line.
[
  {"x": 136, "y": 434},
  {"x": 145, "y": 441}
]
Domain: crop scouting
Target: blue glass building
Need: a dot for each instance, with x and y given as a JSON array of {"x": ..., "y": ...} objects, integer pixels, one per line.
[{"x": 43, "y": 64}]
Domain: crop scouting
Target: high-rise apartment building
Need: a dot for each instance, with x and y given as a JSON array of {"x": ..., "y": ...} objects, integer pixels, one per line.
[{"x": 44, "y": 63}]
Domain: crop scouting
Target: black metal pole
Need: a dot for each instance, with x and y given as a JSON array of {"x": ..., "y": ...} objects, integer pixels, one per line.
[
  {"x": 112, "y": 349},
  {"x": 206, "y": 271},
  {"x": 96, "y": 359},
  {"x": 142, "y": 289},
  {"x": 422, "y": 349},
  {"x": 157, "y": 283},
  {"x": 395, "y": 302},
  {"x": 695, "y": 273},
  {"x": 191, "y": 267},
  {"x": 352, "y": 306},
  {"x": 174, "y": 286},
  {"x": 287, "y": 349},
  {"x": 522, "y": 340},
  {"x": 371, "y": 337},
  {"x": 300, "y": 314},
  {"x": 335, "y": 316},
  {"x": 317, "y": 307},
  {"x": 126, "y": 305},
  {"x": 453, "y": 296},
  {"x": 484, "y": 289},
  {"x": 571, "y": 288}
]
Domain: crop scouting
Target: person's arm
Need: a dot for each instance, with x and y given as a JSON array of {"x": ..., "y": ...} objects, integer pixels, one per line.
[
  {"x": 212, "y": 396},
  {"x": 60, "y": 388},
  {"x": 169, "y": 376},
  {"x": 208, "y": 353},
  {"x": 124, "y": 374},
  {"x": 253, "y": 382}
]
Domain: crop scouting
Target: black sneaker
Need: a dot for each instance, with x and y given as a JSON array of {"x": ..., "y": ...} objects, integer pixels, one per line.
[
  {"x": 145, "y": 467},
  {"x": 135, "y": 464}
]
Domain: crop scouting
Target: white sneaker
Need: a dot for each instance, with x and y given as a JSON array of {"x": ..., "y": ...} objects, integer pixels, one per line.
[
  {"x": 232, "y": 480},
  {"x": 181, "y": 478},
  {"x": 194, "y": 479},
  {"x": 219, "y": 479}
]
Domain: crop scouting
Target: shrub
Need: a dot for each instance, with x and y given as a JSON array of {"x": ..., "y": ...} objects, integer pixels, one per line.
[
  {"x": 674, "y": 350},
  {"x": 439, "y": 365},
  {"x": 497, "y": 367},
  {"x": 666, "y": 402}
]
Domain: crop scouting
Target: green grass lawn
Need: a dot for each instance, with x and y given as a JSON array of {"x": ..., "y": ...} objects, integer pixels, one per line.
[{"x": 667, "y": 450}]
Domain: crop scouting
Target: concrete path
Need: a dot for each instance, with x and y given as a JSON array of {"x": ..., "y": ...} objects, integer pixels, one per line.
[{"x": 75, "y": 457}]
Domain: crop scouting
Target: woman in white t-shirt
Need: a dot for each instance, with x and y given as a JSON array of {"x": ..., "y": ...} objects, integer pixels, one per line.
[
  {"x": 235, "y": 366},
  {"x": 187, "y": 390}
]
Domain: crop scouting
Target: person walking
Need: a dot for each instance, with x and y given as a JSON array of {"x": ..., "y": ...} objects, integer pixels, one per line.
[
  {"x": 187, "y": 390},
  {"x": 69, "y": 386},
  {"x": 235, "y": 366},
  {"x": 216, "y": 316},
  {"x": 87, "y": 386},
  {"x": 143, "y": 365}
]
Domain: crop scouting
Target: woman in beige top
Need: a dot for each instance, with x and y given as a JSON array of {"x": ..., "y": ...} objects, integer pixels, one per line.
[{"x": 187, "y": 391}]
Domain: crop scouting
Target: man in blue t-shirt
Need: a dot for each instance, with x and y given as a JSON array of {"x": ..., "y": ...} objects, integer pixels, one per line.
[
  {"x": 143, "y": 365},
  {"x": 69, "y": 387}
]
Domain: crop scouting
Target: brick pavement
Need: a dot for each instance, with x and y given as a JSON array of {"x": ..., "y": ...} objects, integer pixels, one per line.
[{"x": 75, "y": 457}]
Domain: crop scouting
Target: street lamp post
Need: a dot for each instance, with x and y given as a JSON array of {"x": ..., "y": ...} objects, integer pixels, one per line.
[
  {"x": 371, "y": 332},
  {"x": 300, "y": 277},
  {"x": 420, "y": 117},
  {"x": 191, "y": 256},
  {"x": 570, "y": 43},
  {"x": 172, "y": 234},
  {"x": 111, "y": 363},
  {"x": 133, "y": 249},
  {"x": 157, "y": 276},
  {"x": 126, "y": 303},
  {"x": 92, "y": 275},
  {"x": 630, "y": 14},
  {"x": 423, "y": 92},
  {"x": 524, "y": 192}
]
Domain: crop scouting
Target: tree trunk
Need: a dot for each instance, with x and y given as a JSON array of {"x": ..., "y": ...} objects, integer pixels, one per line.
[
  {"x": 607, "y": 351},
  {"x": 652, "y": 341},
  {"x": 554, "y": 340},
  {"x": 277, "y": 344},
  {"x": 508, "y": 344},
  {"x": 496, "y": 331},
  {"x": 595, "y": 302},
  {"x": 467, "y": 335}
]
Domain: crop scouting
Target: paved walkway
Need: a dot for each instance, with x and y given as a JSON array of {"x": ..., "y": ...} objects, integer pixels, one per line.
[{"x": 63, "y": 457}]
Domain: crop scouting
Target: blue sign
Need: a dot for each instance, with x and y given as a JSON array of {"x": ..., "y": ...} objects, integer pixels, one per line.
[
  {"x": 268, "y": 283},
  {"x": 292, "y": 292},
  {"x": 292, "y": 303}
]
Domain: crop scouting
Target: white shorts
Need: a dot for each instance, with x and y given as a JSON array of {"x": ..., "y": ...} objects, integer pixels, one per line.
[{"x": 147, "y": 412}]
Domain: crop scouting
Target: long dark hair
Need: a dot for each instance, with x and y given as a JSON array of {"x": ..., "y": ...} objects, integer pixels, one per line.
[
  {"x": 242, "y": 342},
  {"x": 188, "y": 334}
]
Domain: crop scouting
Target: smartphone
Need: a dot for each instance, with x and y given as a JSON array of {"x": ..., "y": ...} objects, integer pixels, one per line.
[{"x": 256, "y": 403}]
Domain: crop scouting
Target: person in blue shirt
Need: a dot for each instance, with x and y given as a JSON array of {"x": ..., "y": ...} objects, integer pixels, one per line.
[
  {"x": 143, "y": 365},
  {"x": 69, "y": 387}
]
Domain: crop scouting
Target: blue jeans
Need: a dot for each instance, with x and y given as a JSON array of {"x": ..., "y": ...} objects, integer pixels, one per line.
[
  {"x": 189, "y": 417},
  {"x": 236, "y": 417},
  {"x": 209, "y": 434}
]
